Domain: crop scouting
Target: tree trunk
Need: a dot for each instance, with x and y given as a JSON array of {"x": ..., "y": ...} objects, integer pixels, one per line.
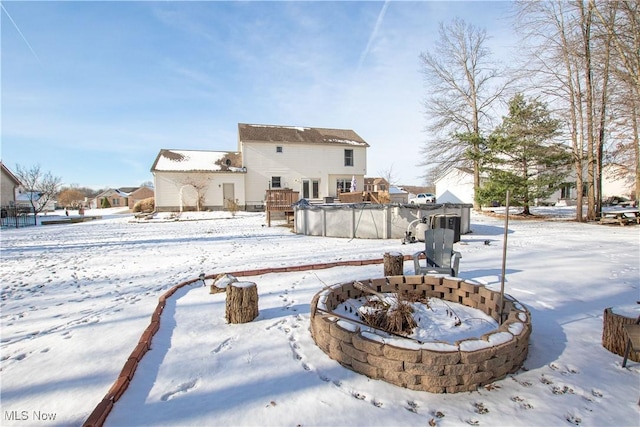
[
  {"x": 614, "y": 338},
  {"x": 393, "y": 264},
  {"x": 242, "y": 302}
]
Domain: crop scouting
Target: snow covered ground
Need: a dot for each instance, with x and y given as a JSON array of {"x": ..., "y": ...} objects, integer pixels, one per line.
[{"x": 76, "y": 298}]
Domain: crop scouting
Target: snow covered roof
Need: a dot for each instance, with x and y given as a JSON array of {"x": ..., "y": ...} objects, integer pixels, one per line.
[
  {"x": 197, "y": 161},
  {"x": 27, "y": 196},
  {"x": 293, "y": 134},
  {"x": 396, "y": 190}
]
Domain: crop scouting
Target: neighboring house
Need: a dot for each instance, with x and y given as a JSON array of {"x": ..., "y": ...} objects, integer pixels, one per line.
[
  {"x": 192, "y": 179},
  {"x": 137, "y": 194},
  {"x": 124, "y": 197},
  {"x": 376, "y": 184},
  {"x": 398, "y": 195},
  {"x": 115, "y": 198},
  {"x": 9, "y": 183},
  {"x": 316, "y": 162},
  {"x": 24, "y": 201},
  {"x": 455, "y": 185},
  {"x": 617, "y": 181},
  {"x": 381, "y": 185}
]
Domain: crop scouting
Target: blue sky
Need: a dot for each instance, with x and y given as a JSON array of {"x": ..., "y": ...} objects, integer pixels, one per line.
[{"x": 91, "y": 91}]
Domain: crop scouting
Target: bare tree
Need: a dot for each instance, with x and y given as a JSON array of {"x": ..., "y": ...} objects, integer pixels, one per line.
[
  {"x": 463, "y": 85},
  {"x": 41, "y": 187},
  {"x": 389, "y": 175},
  {"x": 620, "y": 20},
  {"x": 571, "y": 61}
]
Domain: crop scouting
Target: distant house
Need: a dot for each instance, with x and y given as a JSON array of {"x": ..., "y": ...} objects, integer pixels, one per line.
[
  {"x": 137, "y": 194},
  {"x": 124, "y": 197},
  {"x": 455, "y": 185},
  {"x": 398, "y": 195},
  {"x": 618, "y": 181},
  {"x": 316, "y": 162},
  {"x": 376, "y": 184},
  {"x": 27, "y": 200},
  {"x": 9, "y": 184}
]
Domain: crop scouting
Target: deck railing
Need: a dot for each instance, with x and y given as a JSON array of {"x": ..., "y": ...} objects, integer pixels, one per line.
[{"x": 280, "y": 200}]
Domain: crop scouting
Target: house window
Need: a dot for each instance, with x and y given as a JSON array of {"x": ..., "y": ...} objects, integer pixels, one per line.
[
  {"x": 344, "y": 185},
  {"x": 275, "y": 182},
  {"x": 348, "y": 157},
  {"x": 279, "y": 149}
]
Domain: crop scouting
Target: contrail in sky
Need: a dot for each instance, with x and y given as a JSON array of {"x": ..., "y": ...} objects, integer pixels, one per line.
[
  {"x": 374, "y": 33},
  {"x": 20, "y": 32}
]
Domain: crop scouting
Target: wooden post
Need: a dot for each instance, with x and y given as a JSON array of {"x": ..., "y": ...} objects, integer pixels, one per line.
[
  {"x": 242, "y": 302},
  {"x": 393, "y": 264}
]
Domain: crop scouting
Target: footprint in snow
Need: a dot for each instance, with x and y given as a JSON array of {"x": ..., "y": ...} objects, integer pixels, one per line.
[
  {"x": 224, "y": 345},
  {"x": 182, "y": 388},
  {"x": 358, "y": 396},
  {"x": 278, "y": 323}
]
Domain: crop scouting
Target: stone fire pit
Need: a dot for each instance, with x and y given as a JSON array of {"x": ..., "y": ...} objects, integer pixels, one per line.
[{"x": 432, "y": 366}]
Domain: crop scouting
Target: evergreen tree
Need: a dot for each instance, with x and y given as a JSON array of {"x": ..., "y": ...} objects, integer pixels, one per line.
[{"x": 520, "y": 156}]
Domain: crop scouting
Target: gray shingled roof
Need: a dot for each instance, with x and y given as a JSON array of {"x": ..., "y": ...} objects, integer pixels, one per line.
[{"x": 293, "y": 134}]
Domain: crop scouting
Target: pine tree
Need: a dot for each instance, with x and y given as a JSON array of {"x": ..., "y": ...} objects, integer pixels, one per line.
[{"x": 520, "y": 156}]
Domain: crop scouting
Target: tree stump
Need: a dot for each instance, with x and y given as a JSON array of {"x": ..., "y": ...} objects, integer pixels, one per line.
[
  {"x": 242, "y": 302},
  {"x": 393, "y": 264},
  {"x": 614, "y": 338}
]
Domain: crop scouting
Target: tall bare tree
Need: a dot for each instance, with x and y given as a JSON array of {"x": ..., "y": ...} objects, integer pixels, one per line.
[
  {"x": 571, "y": 58},
  {"x": 621, "y": 22},
  {"x": 41, "y": 187},
  {"x": 463, "y": 85}
]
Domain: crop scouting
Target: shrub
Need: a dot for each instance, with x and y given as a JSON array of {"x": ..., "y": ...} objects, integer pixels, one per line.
[
  {"x": 233, "y": 206},
  {"x": 145, "y": 205}
]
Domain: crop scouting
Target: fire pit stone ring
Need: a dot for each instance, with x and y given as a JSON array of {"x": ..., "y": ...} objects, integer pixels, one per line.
[{"x": 434, "y": 366}]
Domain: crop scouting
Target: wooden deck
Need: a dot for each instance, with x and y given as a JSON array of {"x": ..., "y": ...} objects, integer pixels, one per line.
[{"x": 281, "y": 200}]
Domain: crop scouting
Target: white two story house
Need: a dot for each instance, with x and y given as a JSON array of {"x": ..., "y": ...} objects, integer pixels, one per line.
[{"x": 316, "y": 162}]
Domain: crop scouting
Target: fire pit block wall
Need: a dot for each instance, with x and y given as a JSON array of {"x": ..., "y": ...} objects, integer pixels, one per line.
[{"x": 436, "y": 367}]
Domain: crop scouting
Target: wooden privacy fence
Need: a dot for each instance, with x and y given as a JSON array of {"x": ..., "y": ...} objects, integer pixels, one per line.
[{"x": 281, "y": 200}]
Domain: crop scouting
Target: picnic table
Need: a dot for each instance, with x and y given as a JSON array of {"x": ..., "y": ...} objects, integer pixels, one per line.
[{"x": 622, "y": 216}]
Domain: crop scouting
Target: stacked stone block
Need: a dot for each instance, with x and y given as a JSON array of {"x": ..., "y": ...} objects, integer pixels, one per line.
[{"x": 434, "y": 367}]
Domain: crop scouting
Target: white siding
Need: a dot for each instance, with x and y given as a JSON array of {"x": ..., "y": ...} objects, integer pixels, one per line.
[
  {"x": 168, "y": 185},
  {"x": 456, "y": 186},
  {"x": 617, "y": 183},
  {"x": 296, "y": 162}
]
